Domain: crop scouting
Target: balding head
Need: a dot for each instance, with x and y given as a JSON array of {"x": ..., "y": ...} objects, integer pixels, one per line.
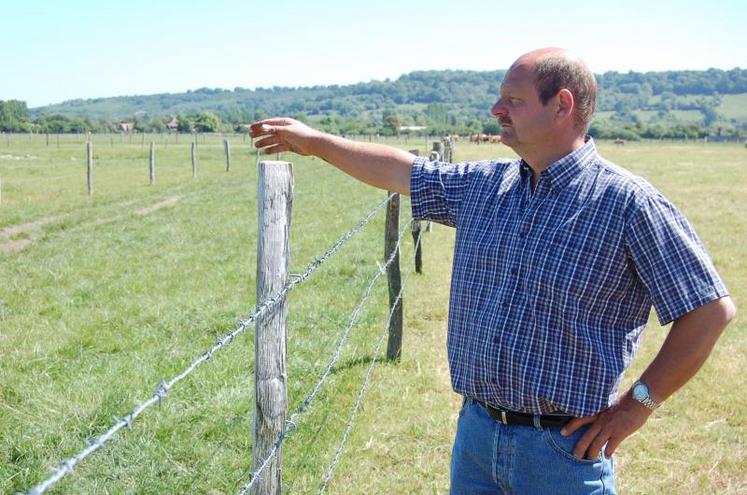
[{"x": 555, "y": 69}]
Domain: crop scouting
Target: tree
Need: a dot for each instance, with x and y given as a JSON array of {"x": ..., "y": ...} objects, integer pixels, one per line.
[
  {"x": 14, "y": 116},
  {"x": 392, "y": 122},
  {"x": 206, "y": 122}
]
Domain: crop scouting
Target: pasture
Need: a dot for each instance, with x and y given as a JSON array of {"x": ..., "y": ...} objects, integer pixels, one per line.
[{"x": 102, "y": 297}]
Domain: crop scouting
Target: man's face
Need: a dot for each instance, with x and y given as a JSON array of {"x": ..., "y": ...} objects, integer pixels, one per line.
[{"x": 521, "y": 115}]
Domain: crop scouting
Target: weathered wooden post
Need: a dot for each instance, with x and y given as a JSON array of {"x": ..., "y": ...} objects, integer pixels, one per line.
[
  {"x": 391, "y": 238},
  {"x": 275, "y": 200},
  {"x": 227, "y": 147},
  {"x": 47, "y": 134},
  {"x": 152, "y": 163},
  {"x": 194, "y": 160},
  {"x": 89, "y": 167}
]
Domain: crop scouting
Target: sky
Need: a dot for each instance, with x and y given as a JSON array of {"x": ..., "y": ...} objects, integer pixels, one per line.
[{"x": 52, "y": 51}]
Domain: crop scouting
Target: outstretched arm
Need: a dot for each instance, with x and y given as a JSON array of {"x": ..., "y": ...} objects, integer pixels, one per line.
[
  {"x": 378, "y": 165},
  {"x": 684, "y": 351}
]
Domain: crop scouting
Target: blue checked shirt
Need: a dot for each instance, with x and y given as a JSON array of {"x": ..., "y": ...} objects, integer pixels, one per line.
[{"x": 552, "y": 288}]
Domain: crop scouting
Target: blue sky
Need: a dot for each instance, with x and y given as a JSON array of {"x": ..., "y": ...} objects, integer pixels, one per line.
[{"x": 54, "y": 50}]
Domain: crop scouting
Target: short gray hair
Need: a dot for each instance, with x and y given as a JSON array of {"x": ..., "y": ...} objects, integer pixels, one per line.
[{"x": 556, "y": 72}]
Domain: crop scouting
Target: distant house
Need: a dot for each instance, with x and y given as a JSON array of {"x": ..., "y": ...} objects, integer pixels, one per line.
[
  {"x": 412, "y": 128},
  {"x": 126, "y": 126}
]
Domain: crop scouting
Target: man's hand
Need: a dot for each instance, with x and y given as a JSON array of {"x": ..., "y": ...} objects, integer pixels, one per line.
[
  {"x": 610, "y": 427},
  {"x": 283, "y": 134}
]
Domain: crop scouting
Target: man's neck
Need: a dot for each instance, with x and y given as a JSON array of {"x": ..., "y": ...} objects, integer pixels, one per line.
[{"x": 540, "y": 158}]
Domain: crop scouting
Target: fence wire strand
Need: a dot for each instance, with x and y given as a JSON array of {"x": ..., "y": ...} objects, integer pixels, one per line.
[
  {"x": 364, "y": 387},
  {"x": 291, "y": 423},
  {"x": 67, "y": 465}
]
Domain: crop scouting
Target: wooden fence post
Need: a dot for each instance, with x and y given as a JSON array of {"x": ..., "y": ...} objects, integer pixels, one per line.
[
  {"x": 275, "y": 200},
  {"x": 152, "y": 163},
  {"x": 227, "y": 147},
  {"x": 89, "y": 167},
  {"x": 194, "y": 160},
  {"x": 391, "y": 237}
]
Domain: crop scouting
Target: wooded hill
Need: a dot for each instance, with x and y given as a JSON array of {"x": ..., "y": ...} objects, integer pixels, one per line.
[{"x": 647, "y": 104}]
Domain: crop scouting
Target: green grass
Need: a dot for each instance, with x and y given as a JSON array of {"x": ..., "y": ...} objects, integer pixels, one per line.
[
  {"x": 734, "y": 106},
  {"x": 105, "y": 302}
]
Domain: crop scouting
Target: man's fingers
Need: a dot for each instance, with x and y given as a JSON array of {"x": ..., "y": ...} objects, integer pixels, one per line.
[
  {"x": 583, "y": 443},
  {"x": 596, "y": 445},
  {"x": 267, "y": 126},
  {"x": 278, "y": 148},
  {"x": 264, "y": 142},
  {"x": 575, "y": 424},
  {"x": 612, "y": 445}
]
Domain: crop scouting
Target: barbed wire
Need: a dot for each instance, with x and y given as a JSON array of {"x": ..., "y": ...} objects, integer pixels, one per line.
[
  {"x": 364, "y": 387},
  {"x": 67, "y": 465},
  {"x": 291, "y": 423}
]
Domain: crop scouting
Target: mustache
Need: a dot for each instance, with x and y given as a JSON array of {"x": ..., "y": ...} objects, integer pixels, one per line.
[{"x": 504, "y": 120}]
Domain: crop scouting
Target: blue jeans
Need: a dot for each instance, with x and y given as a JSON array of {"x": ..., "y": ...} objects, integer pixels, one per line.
[{"x": 492, "y": 458}]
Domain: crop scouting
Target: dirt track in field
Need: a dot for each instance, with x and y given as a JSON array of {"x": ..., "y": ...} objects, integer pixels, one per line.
[{"x": 12, "y": 246}]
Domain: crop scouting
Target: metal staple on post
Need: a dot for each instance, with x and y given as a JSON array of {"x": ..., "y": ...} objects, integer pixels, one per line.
[{"x": 275, "y": 200}]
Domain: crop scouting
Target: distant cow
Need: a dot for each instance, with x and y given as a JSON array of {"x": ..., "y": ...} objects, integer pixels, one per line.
[
  {"x": 495, "y": 139},
  {"x": 620, "y": 142}
]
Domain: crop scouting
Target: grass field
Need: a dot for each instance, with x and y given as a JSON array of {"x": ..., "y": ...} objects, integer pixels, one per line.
[{"x": 102, "y": 297}]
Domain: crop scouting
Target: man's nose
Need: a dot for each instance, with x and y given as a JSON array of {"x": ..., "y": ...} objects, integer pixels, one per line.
[{"x": 499, "y": 109}]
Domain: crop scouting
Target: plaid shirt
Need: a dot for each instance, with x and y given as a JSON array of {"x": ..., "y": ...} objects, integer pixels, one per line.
[{"x": 551, "y": 288}]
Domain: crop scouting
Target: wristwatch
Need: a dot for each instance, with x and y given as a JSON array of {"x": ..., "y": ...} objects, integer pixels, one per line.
[{"x": 642, "y": 395}]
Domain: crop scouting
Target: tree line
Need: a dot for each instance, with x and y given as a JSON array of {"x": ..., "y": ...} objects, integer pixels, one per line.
[{"x": 441, "y": 101}]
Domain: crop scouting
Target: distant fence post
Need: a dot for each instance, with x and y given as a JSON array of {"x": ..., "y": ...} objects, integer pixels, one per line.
[
  {"x": 227, "y": 147},
  {"x": 194, "y": 160},
  {"x": 152, "y": 163},
  {"x": 275, "y": 200},
  {"x": 89, "y": 166},
  {"x": 391, "y": 237}
]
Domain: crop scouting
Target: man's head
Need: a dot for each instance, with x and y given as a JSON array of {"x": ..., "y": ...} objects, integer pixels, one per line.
[{"x": 546, "y": 93}]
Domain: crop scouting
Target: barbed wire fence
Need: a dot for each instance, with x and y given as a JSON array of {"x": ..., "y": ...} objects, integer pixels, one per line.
[
  {"x": 291, "y": 423},
  {"x": 262, "y": 308}
]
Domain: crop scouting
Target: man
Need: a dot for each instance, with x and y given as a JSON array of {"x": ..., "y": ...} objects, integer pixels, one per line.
[{"x": 559, "y": 257}]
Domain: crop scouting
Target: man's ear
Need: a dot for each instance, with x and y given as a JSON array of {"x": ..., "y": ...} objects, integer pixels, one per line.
[{"x": 564, "y": 104}]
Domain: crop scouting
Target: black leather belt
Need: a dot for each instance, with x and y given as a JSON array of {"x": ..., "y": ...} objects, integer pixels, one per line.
[{"x": 515, "y": 418}]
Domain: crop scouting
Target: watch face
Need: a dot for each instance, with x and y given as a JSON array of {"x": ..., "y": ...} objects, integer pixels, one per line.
[{"x": 640, "y": 392}]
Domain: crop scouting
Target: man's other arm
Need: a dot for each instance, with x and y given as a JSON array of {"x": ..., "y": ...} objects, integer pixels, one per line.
[
  {"x": 688, "y": 344},
  {"x": 378, "y": 165}
]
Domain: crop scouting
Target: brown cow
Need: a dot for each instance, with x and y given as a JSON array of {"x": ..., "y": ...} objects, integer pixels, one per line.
[{"x": 620, "y": 142}]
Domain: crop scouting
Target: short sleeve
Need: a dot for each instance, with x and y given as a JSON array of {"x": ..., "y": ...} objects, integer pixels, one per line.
[
  {"x": 437, "y": 190},
  {"x": 670, "y": 259}
]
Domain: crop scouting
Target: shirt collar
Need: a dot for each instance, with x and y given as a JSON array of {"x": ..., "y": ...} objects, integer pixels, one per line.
[{"x": 562, "y": 171}]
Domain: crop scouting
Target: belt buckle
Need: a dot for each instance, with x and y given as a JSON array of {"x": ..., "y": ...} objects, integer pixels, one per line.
[{"x": 503, "y": 417}]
